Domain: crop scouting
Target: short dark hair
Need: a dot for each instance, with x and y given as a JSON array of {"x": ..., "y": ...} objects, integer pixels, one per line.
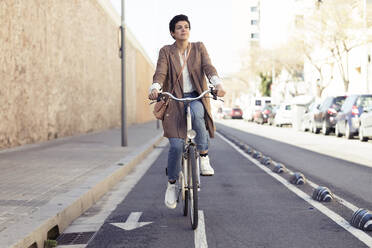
[{"x": 177, "y": 18}]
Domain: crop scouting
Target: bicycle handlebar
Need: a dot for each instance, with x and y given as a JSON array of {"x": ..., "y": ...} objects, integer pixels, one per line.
[
  {"x": 211, "y": 90},
  {"x": 186, "y": 99}
]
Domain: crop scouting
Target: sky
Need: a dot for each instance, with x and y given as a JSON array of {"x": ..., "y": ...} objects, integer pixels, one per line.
[
  {"x": 276, "y": 19},
  {"x": 222, "y": 25}
]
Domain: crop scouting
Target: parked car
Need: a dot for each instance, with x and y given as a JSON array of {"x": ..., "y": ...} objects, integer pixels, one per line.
[
  {"x": 365, "y": 128},
  {"x": 348, "y": 120},
  {"x": 232, "y": 113},
  {"x": 237, "y": 113},
  {"x": 283, "y": 115},
  {"x": 325, "y": 119},
  {"x": 257, "y": 116},
  {"x": 262, "y": 116},
  {"x": 256, "y": 103},
  {"x": 219, "y": 113},
  {"x": 308, "y": 118},
  {"x": 226, "y": 113}
]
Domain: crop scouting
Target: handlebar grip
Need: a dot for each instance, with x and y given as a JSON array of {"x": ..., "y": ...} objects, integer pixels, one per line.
[
  {"x": 214, "y": 94},
  {"x": 160, "y": 97}
]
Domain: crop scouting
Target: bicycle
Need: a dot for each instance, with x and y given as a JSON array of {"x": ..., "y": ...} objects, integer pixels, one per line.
[{"x": 189, "y": 176}]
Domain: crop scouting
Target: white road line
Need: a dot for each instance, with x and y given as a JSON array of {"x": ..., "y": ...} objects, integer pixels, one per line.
[
  {"x": 366, "y": 239},
  {"x": 200, "y": 237}
]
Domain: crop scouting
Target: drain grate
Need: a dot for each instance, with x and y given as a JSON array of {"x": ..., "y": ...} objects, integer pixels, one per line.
[{"x": 75, "y": 238}]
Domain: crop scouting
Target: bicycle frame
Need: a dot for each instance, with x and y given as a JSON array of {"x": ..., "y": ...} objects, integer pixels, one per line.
[
  {"x": 191, "y": 175},
  {"x": 190, "y": 142}
]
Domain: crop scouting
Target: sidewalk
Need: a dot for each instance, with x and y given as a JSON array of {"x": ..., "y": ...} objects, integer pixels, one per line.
[{"x": 50, "y": 184}]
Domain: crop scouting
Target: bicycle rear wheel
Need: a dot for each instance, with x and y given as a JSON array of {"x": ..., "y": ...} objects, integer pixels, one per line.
[{"x": 193, "y": 187}]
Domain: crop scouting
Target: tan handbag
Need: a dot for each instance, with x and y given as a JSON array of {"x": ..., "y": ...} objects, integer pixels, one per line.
[
  {"x": 161, "y": 106},
  {"x": 159, "y": 109}
]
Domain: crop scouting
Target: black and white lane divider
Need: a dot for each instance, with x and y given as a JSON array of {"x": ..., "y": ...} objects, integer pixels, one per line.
[
  {"x": 298, "y": 178},
  {"x": 275, "y": 171},
  {"x": 362, "y": 219},
  {"x": 279, "y": 168},
  {"x": 322, "y": 194}
]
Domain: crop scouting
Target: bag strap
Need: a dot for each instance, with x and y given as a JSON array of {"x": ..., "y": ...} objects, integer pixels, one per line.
[
  {"x": 183, "y": 67},
  {"x": 184, "y": 63}
]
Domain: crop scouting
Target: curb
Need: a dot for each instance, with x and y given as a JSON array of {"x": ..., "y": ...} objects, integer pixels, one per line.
[{"x": 61, "y": 211}]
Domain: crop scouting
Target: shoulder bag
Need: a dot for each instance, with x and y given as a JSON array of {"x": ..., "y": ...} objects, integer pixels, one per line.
[{"x": 161, "y": 106}]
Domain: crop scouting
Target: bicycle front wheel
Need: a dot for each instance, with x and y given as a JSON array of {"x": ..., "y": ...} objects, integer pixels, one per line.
[
  {"x": 193, "y": 187},
  {"x": 183, "y": 192}
]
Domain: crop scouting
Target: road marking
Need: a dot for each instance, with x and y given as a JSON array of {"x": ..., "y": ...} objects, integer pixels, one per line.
[
  {"x": 109, "y": 202},
  {"x": 132, "y": 222},
  {"x": 359, "y": 234},
  {"x": 200, "y": 237}
]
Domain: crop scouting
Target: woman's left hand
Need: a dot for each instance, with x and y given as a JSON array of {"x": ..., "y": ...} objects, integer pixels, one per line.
[{"x": 220, "y": 91}]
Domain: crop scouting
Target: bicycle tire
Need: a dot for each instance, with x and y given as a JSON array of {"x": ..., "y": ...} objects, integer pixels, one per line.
[
  {"x": 193, "y": 187},
  {"x": 186, "y": 203},
  {"x": 184, "y": 193}
]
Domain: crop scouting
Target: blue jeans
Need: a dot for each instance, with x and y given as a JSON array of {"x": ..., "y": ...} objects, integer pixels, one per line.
[{"x": 177, "y": 145}]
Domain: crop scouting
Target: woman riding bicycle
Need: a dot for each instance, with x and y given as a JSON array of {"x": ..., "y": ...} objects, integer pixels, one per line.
[{"x": 190, "y": 84}]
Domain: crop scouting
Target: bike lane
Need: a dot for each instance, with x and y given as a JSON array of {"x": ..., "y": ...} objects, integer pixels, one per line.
[
  {"x": 162, "y": 227},
  {"x": 242, "y": 205}
]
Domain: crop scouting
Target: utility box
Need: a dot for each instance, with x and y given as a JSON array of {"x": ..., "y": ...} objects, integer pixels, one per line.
[
  {"x": 298, "y": 111},
  {"x": 299, "y": 106}
]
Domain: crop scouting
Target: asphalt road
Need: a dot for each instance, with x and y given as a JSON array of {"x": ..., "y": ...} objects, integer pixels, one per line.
[
  {"x": 351, "y": 180},
  {"x": 243, "y": 206}
]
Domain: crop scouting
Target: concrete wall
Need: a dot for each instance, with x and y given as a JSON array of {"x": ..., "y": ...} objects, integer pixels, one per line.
[{"x": 60, "y": 71}]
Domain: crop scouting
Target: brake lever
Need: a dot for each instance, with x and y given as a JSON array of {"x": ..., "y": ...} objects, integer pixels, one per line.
[
  {"x": 160, "y": 97},
  {"x": 219, "y": 99},
  {"x": 213, "y": 92}
]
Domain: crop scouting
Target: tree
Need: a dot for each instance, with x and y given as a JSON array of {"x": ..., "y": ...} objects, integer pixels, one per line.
[
  {"x": 329, "y": 34},
  {"x": 266, "y": 82},
  {"x": 260, "y": 64},
  {"x": 319, "y": 58}
]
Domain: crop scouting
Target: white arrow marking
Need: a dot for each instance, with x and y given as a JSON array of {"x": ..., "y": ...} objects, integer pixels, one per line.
[{"x": 132, "y": 222}]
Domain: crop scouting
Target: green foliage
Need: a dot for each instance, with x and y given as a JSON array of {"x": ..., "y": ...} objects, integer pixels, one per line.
[
  {"x": 266, "y": 81},
  {"x": 50, "y": 243}
]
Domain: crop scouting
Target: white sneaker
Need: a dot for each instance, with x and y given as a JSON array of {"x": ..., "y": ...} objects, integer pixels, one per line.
[
  {"x": 171, "y": 196},
  {"x": 205, "y": 167}
]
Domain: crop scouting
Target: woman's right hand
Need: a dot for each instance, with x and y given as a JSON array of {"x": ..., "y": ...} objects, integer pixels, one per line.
[{"x": 154, "y": 94}]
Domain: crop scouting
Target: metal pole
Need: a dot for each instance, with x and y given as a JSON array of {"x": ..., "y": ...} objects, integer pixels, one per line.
[{"x": 123, "y": 73}]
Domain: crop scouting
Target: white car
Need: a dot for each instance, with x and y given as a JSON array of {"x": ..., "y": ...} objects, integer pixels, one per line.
[
  {"x": 365, "y": 128},
  {"x": 283, "y": 115}
]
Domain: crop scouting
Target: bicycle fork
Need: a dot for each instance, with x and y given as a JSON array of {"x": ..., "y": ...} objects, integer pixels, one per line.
[{"x": 191, "y": 134}]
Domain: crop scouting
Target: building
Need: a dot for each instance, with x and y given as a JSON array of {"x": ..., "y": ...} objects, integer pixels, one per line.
[{"x": 245, "y": 40}]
